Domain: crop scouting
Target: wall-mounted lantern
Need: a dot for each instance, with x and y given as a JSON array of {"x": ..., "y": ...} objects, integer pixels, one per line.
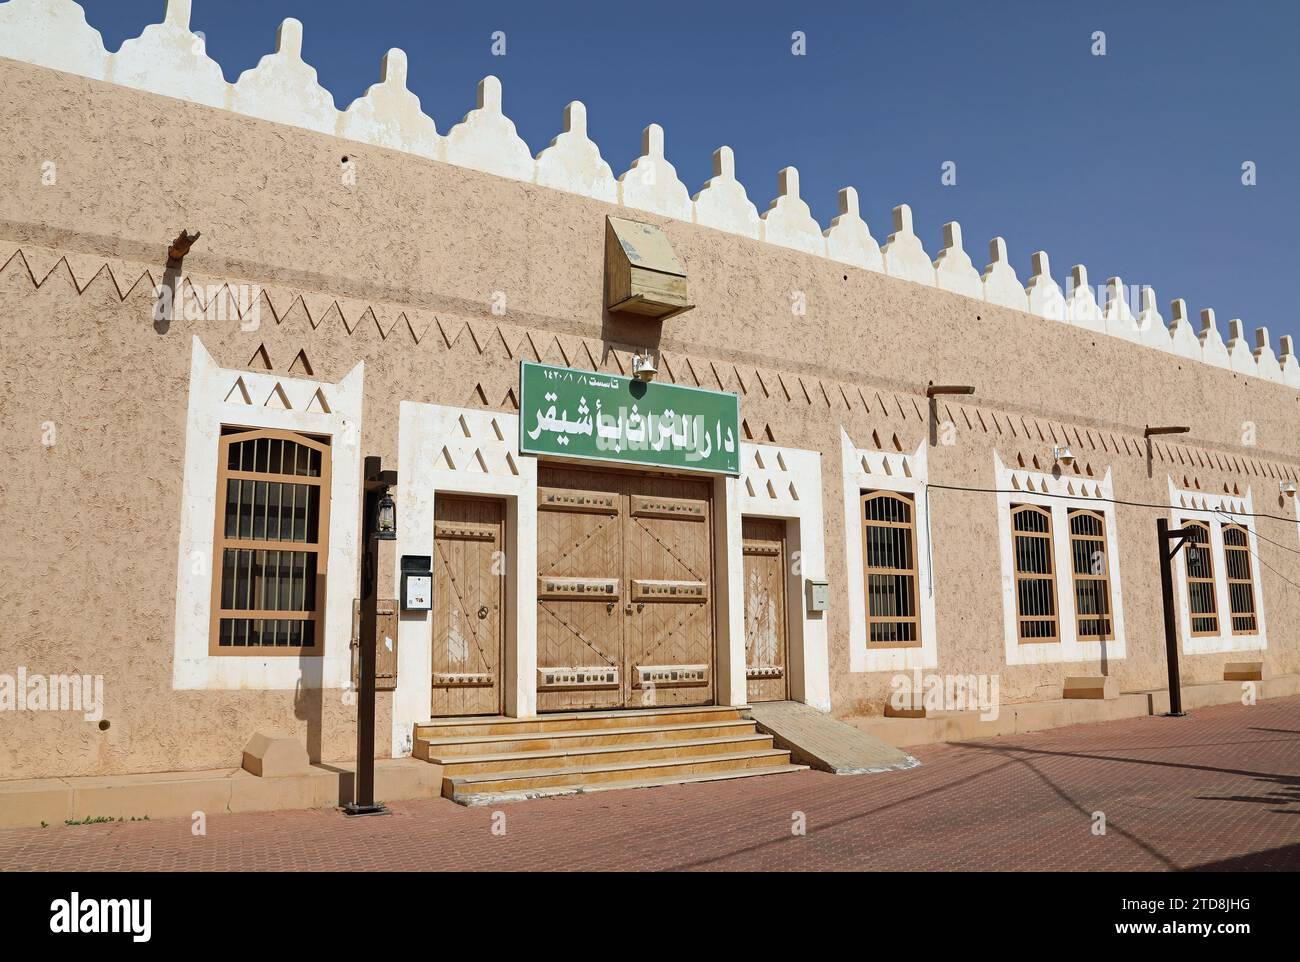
[
  {"x": 386, "y": 518},
  {"x": 1287, "y": 488},
  {"x": 643, "y": 366},
  {"x": 1062, "y": 454}
]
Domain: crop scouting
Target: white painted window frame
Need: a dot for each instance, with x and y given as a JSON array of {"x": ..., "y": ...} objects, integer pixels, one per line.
[
  {"x": 217, "y": 398},
  {"x": 1216, "y": 510},
  {"x": 866, "y": 469},
  {"x": 1021, "y": 486}
]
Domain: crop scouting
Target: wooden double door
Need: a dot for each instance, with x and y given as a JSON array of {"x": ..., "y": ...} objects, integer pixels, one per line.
[{"x": 624, "y": 590}]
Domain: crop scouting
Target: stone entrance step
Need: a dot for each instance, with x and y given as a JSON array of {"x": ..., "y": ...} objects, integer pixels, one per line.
[{"x": 495, "y": 759}]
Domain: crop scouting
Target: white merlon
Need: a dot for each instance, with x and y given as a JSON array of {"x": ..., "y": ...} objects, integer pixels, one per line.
[
  {"x": 1001, "y": 286},
  {"x": 54, "y": 34},
  {"x": 1081, "y": 304},
  {"x": 1117, "y": 316},
  {"x": 1182, "y": 338},
  {"x": 486, "y": 140},
  {"x": 283, "y": 89},
  {"x": 788, "y": 221},
  {"x": 573, "y": 161},
  {"x": 170, "y": 59},
  {"x": 389, "y": 115},
  {"x": 1265, "y": 360},
  {"x": 903, "y": 254},
  {"x": 848, "y": 239},
  {"x": 953, "y": 270},
  {"x": 1150, "y": 325},
  {"x": 1045, "y": 297},
  {"x": 651, "y": 182},
  {"x": 722, "y": 202},
  {"x": 1213, "y": 350},
  {"x": 1288, "y": 363},
  {"x": 1240, "y": 357}
]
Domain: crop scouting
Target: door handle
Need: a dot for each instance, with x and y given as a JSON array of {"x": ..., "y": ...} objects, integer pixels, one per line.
[
  {"x": 482, "y": 612},
  {"x": 627, "y": 610}
]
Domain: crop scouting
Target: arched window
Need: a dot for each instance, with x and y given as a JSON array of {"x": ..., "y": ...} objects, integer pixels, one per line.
[
  {"x": 1201, "y": 600},
  {"x": 1036, "y": 619},
  {"x": 1091, "y": 572},
  {"x": 889, "y": 547},
  {"x": 1241, "y": 584},
  {"x": 270, "y": 546}
]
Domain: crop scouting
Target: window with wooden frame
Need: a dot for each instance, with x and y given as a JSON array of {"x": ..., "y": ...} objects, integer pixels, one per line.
[
  {"x": 271, "y": 543},
  {"x": 1241, "y": 584},
  {"x": 889, "y": 569},
  {"x": 1031, "y": 533},
  {"x": 1201, "y": 601},
  {"x": 1091, "y": 573}
]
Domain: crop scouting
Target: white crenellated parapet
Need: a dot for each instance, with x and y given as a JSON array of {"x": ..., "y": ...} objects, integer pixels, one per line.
[
  {"x": 1240, "y": 357},
  {"x": 1287, "y": 362},
  {"x": 389, "y": 115},
  {"x": 1001, "y": 286},
  {"x": 903, "y": 254},
  {"x": 848, "y": 239},
  {"x": 283, "y": 89},
  {"x": 168, "y": 59},
  {"x": 1213, "y": 350},
  {"x": 651, "y": 182},
  {"x": 1045, "y": 297},
  {"x": 1182, "y": 338},
  {"x": 1150, "y": 325},
  {"x": 573, "y": 161},
  {"x": 1081, "y": 304},
  {"x": 788, "y": 221},
  {"x": 54, "y": 34},
  {"x": 486, "y": 140},
  {"x": 1265, "y": 360},
  {"x": 722, "y": 202},
  {"x": 953, "y": 270},
  {"x": 1117, "y": 316}
]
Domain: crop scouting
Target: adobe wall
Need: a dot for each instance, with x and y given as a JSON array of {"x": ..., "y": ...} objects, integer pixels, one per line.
[{"x": 399, "y": 271}]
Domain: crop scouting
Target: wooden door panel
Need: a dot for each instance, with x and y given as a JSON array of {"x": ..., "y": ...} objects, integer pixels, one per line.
[
  {"x": 766, "y": 645},
  {"x": 467, "y": 616},
  {"x": 580, "y": 590},
  {"x": 668, "y": 636}
]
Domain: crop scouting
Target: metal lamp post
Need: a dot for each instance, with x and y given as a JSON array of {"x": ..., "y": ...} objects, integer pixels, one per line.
[{"x": 378, "y": 523}]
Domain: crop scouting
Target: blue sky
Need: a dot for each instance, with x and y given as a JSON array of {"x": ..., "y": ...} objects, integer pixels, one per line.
[{"x": 1129, "y": 163}]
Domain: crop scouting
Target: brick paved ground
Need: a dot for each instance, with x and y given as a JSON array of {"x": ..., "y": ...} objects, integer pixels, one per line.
[{"x": 1218, "y": 789}]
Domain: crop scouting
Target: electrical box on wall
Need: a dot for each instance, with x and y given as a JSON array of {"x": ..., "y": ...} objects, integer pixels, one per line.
[
  {"x": 417, "y": 582},
  {"x": 817, "y": 595}
]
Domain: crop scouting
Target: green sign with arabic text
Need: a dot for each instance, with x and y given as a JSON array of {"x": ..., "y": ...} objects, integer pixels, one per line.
[{"x": 607, "y": 417}]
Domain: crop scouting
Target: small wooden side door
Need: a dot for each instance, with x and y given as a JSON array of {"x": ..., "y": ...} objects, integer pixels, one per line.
[
  {"x": 766, "y": 643},
  {"x": 468, "y": 583}
]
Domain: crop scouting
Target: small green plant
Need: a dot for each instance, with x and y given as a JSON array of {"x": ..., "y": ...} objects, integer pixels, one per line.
[
  {"x": 89, "y": 820},
  {"x": 45, "y": 824}
]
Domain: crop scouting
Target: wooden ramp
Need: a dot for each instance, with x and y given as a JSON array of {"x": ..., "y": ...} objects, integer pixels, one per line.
[
  {"x": 820, "y": 741},
  {"x": 490, "y": 760}
]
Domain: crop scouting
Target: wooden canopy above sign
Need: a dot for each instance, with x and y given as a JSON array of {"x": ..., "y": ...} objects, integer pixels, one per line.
[{"x": 642, "y": 274}]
